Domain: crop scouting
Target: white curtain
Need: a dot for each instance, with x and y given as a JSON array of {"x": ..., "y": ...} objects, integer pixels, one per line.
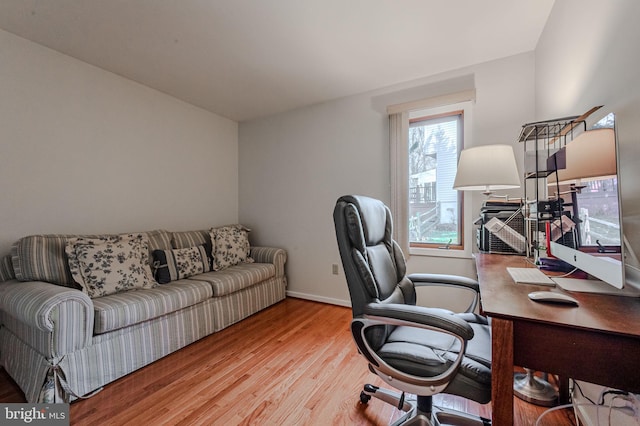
[{"x": 399, "y": 156}]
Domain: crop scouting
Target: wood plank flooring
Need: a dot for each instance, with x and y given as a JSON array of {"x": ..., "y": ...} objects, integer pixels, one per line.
[{"x": 291, "y": 364}]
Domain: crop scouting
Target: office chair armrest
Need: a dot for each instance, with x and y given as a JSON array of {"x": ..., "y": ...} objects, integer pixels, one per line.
[
  {"x": 444, "y": 279},
  {"x": 423, "y": 280},
  {"x": 433, "y": 318}
]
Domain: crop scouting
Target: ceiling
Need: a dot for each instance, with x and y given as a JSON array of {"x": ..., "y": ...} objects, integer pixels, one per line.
[{"x": 244, "y": 59}]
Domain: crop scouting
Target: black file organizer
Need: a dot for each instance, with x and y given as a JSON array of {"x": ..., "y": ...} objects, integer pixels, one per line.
[{"x": 509, "y": 214}]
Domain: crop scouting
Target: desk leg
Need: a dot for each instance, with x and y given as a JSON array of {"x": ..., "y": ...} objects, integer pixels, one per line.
[{"x": 501, "y": 371}]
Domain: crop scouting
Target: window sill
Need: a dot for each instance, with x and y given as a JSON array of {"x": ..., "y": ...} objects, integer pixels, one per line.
[{"x": 434, "y": 252}]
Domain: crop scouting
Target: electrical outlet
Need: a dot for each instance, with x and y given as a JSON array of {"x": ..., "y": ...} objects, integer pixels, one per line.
[{"x": 334, "y": 269}]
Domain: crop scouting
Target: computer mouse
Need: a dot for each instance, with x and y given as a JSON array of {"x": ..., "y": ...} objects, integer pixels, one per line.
[{"x": 552, "y": 297}]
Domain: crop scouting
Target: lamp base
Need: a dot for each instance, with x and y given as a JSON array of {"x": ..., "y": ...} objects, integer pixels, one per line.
[{"x": 535, "y": 390}]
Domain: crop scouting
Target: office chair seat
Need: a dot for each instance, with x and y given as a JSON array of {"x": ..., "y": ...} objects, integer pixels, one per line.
[
  {"x": 418, "y": 350},
  {"x": 427, "y": 353}
]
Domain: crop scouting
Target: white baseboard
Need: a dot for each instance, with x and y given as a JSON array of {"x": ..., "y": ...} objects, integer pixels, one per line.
[{"x": 322, "y": 299}]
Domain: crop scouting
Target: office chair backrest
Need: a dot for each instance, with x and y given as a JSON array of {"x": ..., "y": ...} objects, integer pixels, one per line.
[{"x": 373, "y": 263}]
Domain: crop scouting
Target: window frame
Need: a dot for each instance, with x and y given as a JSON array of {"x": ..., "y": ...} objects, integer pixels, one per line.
[
  {"x": 460, "y": 195},
  {"x": 399, "y": 168}
]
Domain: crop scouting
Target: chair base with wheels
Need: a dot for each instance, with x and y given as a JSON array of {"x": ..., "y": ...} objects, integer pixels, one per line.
[{"x": 420, "y": 411}]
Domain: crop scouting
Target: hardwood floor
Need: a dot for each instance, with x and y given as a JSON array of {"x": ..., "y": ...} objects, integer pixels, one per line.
[{"x": 291, "y": 364}]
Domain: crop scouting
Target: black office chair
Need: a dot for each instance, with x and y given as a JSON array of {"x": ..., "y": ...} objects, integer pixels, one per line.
[{"x": 418, "y": 350}]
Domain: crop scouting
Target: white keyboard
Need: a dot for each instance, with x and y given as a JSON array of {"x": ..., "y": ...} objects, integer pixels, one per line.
[{"x": 530, "y": 276}]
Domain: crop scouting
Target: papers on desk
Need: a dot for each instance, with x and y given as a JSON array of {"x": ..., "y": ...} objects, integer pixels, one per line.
[{"x": 530, "y": 276}]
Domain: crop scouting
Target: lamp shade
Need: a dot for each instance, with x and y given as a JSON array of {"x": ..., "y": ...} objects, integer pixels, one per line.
[
  {"x": 591, "y": 155},
  {"x": 487, "y": 168}
]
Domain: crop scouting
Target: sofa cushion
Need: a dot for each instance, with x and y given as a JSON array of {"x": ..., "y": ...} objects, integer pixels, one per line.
[
  {"x": 159, "y": 239},
  {"x": 123, "y": 309},
  {"x": 6, "y": 269},
  {"x": 237, "y": 277},
  {"x": 186, "y": 239},
  {"x": 110, "y": 264},
  {"x": 176, "y": 264},
  {"x": 43, "y": 257},
  {"x": 230, "y": 246}
]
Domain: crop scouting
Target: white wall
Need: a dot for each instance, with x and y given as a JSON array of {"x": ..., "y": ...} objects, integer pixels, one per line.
[
  {"x": 588, "y": 55},
  {"x": 86, "y": 151},
  {"x": 293, "y": 166}
]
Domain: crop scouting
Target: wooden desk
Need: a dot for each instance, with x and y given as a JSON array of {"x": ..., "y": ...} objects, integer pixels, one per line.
[{"x": 598, "y": 342}]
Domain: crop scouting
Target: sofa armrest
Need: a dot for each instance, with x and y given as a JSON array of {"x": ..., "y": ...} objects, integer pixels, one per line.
[
  {"x": 274, "y": 255},
  {"x": 54, "y": 319}
]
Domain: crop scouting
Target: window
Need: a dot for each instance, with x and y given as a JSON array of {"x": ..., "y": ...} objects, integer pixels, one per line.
[
  {"x": 426, "y": 138},
  {"x": 435, "y": 209}
]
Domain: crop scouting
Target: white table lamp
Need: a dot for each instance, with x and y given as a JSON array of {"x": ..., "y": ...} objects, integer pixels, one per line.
[{"x": 487, "y": 168}]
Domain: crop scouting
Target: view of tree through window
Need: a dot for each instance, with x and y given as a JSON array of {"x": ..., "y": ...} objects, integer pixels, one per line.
[{"x": 434, "y": 207}]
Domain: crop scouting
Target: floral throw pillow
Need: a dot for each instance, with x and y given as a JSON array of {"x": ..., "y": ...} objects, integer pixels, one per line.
[
  {"x": 171, "y": 265},
  {"x": 230, "y": 246},
  {"x": 110, "y": 264}
]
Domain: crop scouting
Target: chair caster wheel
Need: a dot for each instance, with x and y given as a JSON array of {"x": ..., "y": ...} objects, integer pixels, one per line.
[{"x": 364, "y": 398}]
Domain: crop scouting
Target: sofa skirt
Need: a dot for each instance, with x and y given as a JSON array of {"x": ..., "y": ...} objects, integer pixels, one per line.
[
  {"x": 115, "y": 354},
  {"x": 234, "y": 307}
]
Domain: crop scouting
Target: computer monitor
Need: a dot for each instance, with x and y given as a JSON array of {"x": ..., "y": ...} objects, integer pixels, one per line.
[{"x": 587, "y": 233}]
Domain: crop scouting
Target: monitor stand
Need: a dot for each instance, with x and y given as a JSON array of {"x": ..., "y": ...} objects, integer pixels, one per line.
[{"x": 594, "y": 286}]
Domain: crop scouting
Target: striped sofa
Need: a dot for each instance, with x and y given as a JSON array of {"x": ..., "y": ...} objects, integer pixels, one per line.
[{"x": 59, "y": 345}]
